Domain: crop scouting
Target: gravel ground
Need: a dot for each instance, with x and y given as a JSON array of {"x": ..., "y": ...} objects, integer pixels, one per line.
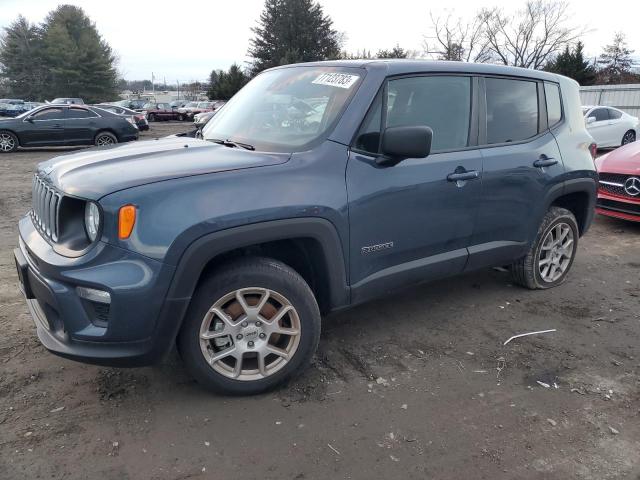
[{"x": 416, "y": 385}]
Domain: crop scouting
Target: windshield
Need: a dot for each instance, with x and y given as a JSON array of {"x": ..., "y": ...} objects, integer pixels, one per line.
[{"x": 286, "y": 109}]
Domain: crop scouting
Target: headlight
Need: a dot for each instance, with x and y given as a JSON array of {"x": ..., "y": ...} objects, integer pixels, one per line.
[{"x": 92, "y": 220}]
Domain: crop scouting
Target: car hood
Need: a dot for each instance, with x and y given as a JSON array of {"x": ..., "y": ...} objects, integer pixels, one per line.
[
  {"x": 96, "y": 172},
  {"x": 625, "y": 159}
]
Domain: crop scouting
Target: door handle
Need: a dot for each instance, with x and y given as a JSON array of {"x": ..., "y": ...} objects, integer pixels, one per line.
[
  {"x": 463, "y": 176},
  {"x": 544, "y": 161}
]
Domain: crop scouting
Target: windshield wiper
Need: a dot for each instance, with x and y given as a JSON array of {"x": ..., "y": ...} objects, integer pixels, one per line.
[{"x": 233, "y": 143}]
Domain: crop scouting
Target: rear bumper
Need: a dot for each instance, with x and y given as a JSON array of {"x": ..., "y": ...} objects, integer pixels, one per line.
[
  {"x": 625, "y": 208},
  {"x": 139, "y": 326}
]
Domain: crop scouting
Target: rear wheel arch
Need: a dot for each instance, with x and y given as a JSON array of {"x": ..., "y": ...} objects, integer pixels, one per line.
[
  {"x": 106, "y": 130},
  {"x": 579, "y": 197}
]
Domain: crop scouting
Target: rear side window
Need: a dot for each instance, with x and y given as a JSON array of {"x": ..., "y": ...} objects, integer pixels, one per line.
[
  {"x": 75, "y": 112},
  {"x": 442, "y": 103},
  {"x": 512, "y": 110},
  {"x": 614, "y": 114},
  {"x": 554, "y": 105}
]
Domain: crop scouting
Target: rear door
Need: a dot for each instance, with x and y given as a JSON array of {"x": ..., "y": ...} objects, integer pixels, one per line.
[
  {"x": 413, "y": 222},
  {"x": 521, "y": 166},
  {"x": 80, "y": 125},
  {"x": 44, "y": 127}
]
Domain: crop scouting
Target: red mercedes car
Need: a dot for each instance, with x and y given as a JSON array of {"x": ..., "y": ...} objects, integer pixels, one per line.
[{"x": 619, "y": 190}]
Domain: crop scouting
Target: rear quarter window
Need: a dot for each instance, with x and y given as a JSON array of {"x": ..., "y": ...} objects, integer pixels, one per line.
[{"x": 554, "y": 104}]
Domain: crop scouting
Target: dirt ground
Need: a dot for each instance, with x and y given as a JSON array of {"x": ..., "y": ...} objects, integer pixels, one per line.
[{"x": 414, "y": 386}]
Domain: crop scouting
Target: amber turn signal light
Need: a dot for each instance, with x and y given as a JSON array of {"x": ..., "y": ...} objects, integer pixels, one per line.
[{"x": 126, "y": 221}]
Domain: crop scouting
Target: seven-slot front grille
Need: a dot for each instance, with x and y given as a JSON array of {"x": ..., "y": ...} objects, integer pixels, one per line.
[{"x": 45, "y": 208}]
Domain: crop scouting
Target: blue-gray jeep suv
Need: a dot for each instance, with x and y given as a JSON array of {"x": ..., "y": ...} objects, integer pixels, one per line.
[{"x": 317, "y": 187}]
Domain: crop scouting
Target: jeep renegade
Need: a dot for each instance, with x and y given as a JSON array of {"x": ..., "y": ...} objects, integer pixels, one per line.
[{"x": 317, "y": 187}]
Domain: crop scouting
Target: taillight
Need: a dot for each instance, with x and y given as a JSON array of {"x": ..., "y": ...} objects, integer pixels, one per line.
[{"x": 593, "y": 149}]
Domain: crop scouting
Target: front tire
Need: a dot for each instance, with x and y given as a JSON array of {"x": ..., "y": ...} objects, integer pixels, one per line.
[
  {"x": 250, "y": 327},
  {"x": 549, "y": 259},
  {"x": 151, "y": 117},
  {"x": 628, "y": 137},
  {"x": 8, "y": 142}
]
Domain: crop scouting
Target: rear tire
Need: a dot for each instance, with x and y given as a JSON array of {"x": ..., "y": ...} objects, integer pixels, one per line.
[
  {"x": 8, "y": 142},
  {"x": 628, "y": 137},
  {"x": 551, "y": 256},
  {"x": 239, "y": 316},
  {"x": 104, "y": 139}
]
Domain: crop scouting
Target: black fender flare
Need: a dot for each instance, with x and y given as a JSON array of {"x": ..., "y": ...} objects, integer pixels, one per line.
[
  {"x": 587, "y": 185},
  {"x": 200, "y": 252}
]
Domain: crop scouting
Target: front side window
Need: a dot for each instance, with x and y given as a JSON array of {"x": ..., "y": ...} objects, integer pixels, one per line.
[
  {"x": 512, "y": 110},
  {"x": 286, "y": 109},
  {"x": 442, "y": 103},
  {"x": 48, "y": 114},
  {"x": 554, "y": 105},
  {"x": 600, "y": 114}
]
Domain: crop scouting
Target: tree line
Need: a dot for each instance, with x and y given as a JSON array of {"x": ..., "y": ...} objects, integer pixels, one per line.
[{"x": 66, "y": 56}]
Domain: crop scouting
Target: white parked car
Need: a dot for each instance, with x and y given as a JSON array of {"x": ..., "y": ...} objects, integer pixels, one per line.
[{"x": 609, "y": 126}]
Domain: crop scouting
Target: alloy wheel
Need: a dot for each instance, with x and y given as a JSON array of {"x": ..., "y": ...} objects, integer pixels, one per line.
[
  {"x": 7, "y": 143},
  {"x": 104, "y": 140},
  {"x": 628, "y": 138},
  {"x": 250, "y": 334},
  {"x": 556, "y": 252}
]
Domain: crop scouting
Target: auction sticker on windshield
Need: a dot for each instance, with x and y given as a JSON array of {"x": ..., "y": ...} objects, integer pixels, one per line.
[{"x": 342, "y": 80}]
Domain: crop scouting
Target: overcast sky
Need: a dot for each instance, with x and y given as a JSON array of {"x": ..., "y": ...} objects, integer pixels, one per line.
[{"x": 185, "y": 40}]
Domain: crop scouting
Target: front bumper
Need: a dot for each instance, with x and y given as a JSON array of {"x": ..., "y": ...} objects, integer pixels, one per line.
[
  {"x": 139, "y": 326},
  {"x": 625, "y": 208}
]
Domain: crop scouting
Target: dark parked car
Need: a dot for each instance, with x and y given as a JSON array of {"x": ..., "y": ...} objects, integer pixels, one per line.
[
  {"x": 13, "y": 108},
  {"x": 67, "y": 101},
  {"x": 139, "y": 117},
  {"x": 160, "y": 111},
  {"x": 55, "y": 125},
  {"x": 318, "y": 186},
  {"x": 136, "y": 104}
]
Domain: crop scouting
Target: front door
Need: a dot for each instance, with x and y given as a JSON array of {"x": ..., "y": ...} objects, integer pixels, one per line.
[
  {"x": 413, "y": 221},
  {"x": 46, "y": 127},
  {"x": 601, "y": 129}
]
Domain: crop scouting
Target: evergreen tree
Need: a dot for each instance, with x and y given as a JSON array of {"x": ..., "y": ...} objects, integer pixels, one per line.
[
  {"x": 224, "y": 85},
  {"x": 80, "y": 62},
  {"x": 21, "y": 60},
  {"x": 571, "y": 63},
  {"x": 291, "y": 31},
  {"x": 615, "y": 63},
  {"x": 395, "y": 52}
]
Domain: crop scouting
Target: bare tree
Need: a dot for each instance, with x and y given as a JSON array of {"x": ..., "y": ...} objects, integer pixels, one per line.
[
  {"x": 530, "y": 37},
  {"x": 454, "y": 39}
]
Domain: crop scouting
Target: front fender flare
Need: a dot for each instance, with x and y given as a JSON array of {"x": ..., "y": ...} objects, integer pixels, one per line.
[{"x": 208, "y": 247}]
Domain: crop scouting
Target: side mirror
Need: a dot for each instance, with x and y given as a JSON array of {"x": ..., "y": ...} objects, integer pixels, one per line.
[
  {"x": 591, "y": 120},
  {"x": 400, "y": 143}
]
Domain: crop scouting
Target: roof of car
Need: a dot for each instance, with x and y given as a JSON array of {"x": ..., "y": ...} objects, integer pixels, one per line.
[{"x": 405, "y": 66}]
